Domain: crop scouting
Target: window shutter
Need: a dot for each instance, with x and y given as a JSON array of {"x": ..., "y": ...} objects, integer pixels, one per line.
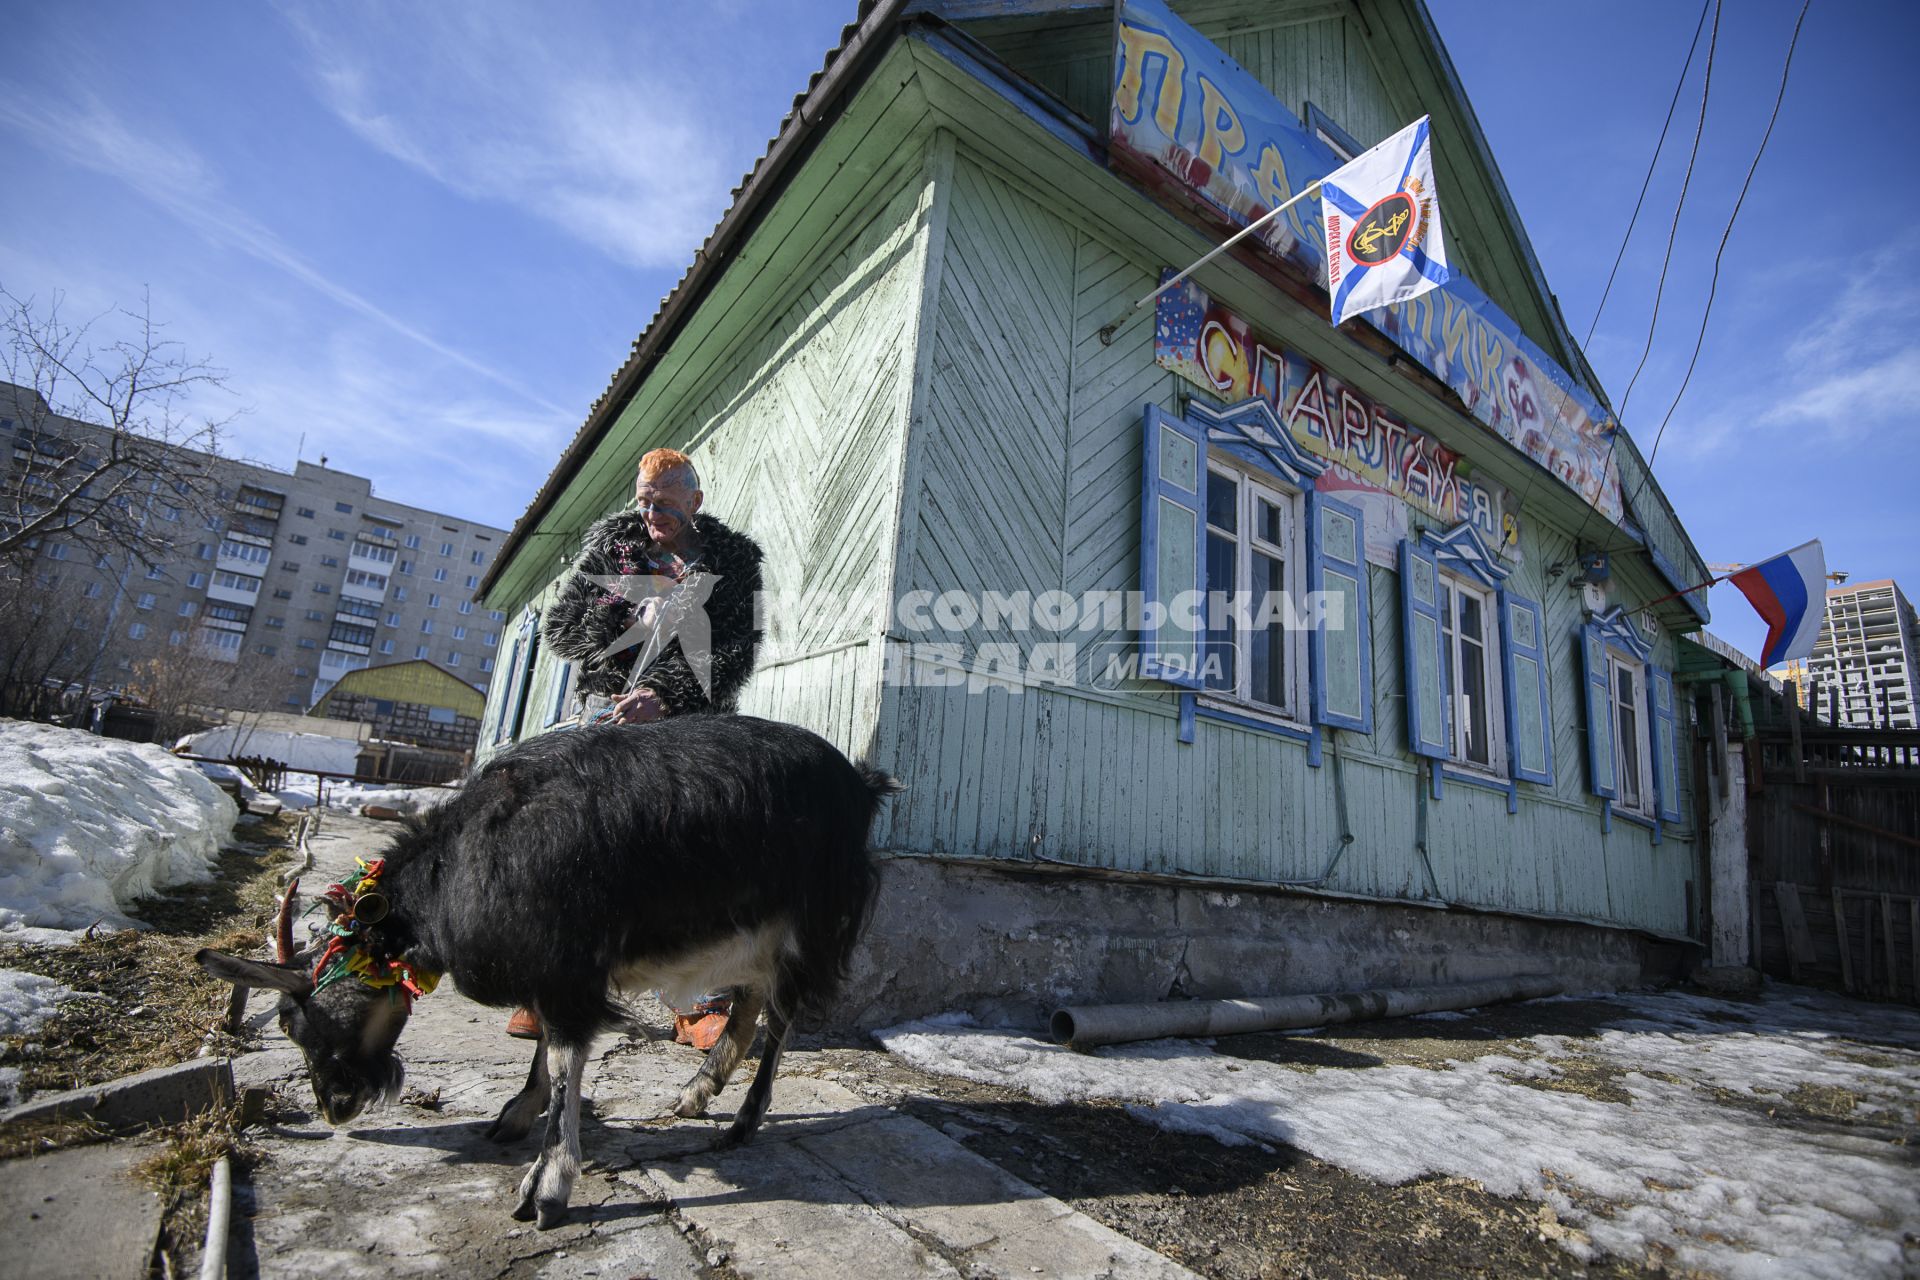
[
  {"x": 1599, "y": 700},
  {"x": 1173, "y": 529},
  {"x": 1340, "y": 658},
  {"x": 1666, "y": 763},
  {"x": 562, "y": 685},
  {"x": 1523, "y": 637},
  {"x": 1426, "y": 668}
]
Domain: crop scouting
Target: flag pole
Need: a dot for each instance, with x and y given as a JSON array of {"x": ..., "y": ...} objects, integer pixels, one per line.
[
  {"x": 1675, "y": 595},
  {"x": 1108, "y": 330}
]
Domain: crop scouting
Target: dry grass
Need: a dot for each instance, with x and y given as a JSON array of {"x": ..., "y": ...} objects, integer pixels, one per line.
[{"x": 146, "y": 1003}]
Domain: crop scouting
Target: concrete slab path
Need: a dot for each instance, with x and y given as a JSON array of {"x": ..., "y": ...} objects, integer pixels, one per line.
[{"x": 832, "y": 1186}]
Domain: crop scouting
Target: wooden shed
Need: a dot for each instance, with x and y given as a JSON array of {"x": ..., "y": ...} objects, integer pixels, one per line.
[{"x": 905, "y": 362}]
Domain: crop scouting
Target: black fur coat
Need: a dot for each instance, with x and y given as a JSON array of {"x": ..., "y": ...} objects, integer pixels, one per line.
[{"x": 583, "y": 621}]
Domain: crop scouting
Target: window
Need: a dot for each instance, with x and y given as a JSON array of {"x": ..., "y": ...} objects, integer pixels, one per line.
[
  {"x": 306, "y": 642},
  {"x": 486, "y": 664},
  {"x": 281, "y": 593},
  {"x": 329, "y": 562},
  {"x": 276, "y": 623},
  {"x": 433, "y": 601},
  {"x": 479, "y": 557},
  {"x": 419, "y": 651},
  {"x": 289, "y": 566},
  {"x": 413, "y": 542},
  {"x": 239, "y": 613},
  {"x": 344, "y": 508},
  {"x": 386, "y": 646},
  {"x": 393, "y": 619},
  {"x": 380, "y": 531},
  {"x": 266, "y": 650},
  {"x": 453, "y": 658},
  {"x": 400, "y": 595},
  {"x": 496, "y": 616},
  {"x": 405, "y": 566},
  {"x": 1250, "y": 653},
  {"x": 187, "y": 608},
  {"x": 473, "y": 580},
  {"x": 235, "y": 581},
  {"x": 1631, "y": 744},
  {"x": 466, "y": 606},
  {"x": 439, "y": 575},
  {"x": 176, "y": 638},
  {"x": 154, "y": 572},
  {"x": 205, "y": 551},
  {"x": 171, "y": 514},
  {"x": 357, "y": 608},
  {"x": 305, "y": 511},
  {"x": 446, "y": 548},
  {"x": 426, "y": 627},
  {"x": 138, "y": 631},
  {"x": 322, "y": 589},
  {"x": 338, "y": 535},
  {"x": 346, "y": 633},
  {"x": 371, "y": 581},
  {"x": 459, "y": 633},
  {"x": 1629, "y": 734},
  {"x": 221, "y": 641},
  {"x": 302, "y": 672},
  {"x": 490, "y": 639},
  {"x": 298, "y": 539},
  {"x": 1234, "y": 541},
  {"x": 196, "y": 579},
  {"x": 314, "y": 615},
  {"x": 246, "y": 551},
  {"x": 145, "y": 601},
  {"x": 1468, "y": 641}
]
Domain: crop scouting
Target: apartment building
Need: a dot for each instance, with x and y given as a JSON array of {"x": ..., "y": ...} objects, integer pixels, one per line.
[
  {"x": 1865, "y": 661},
  {"x": 295, "y": 578}
]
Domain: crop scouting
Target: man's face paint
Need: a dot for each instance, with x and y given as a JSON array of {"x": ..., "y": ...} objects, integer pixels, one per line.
[{"x": 667, "y": 509}]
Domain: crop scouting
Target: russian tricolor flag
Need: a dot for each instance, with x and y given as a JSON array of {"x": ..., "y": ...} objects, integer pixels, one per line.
[{"x": 1790, "y": 592}]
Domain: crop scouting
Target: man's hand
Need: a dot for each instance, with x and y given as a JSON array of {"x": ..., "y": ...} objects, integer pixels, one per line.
[{"x": 639, "y": 707}]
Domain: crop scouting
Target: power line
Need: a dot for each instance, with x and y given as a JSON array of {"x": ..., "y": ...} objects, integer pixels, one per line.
[
  {"x": 1673, "y": 231},
  {"x": 1652, "y": 164},
  {"x": 1713, "y": 283},
  {"x": 1660, "y": 288}
]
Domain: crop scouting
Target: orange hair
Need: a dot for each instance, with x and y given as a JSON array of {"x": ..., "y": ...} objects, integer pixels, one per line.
[{"x": 658, "y": 462}]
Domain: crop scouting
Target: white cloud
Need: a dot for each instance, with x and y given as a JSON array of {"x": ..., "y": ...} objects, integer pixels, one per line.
[
  {"x": 613, "y": 145},
  {"x": 84, "y": 131}
]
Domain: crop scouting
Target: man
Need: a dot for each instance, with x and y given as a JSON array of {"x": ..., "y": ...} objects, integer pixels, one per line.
[{"x": 653, "y": 587}]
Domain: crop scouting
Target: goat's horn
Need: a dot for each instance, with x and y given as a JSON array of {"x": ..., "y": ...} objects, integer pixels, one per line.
[{"x": 283, "y": 925}]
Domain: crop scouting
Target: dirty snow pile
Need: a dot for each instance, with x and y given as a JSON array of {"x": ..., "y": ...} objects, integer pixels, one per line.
[
  {"x": 1694, "y": 1163},
  {"x": 88, "y": 825}
]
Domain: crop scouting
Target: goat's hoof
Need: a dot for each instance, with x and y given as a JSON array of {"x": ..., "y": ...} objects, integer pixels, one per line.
[
  {"x": 691, "y": 1105},
  {"x": 736, "y": 1136},
  {"x": 523, "y": 1212},
  {"x": 552, "y": 1214}
]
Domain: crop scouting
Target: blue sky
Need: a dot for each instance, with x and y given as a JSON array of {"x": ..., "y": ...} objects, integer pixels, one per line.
[{"x": 425, "y": 236}]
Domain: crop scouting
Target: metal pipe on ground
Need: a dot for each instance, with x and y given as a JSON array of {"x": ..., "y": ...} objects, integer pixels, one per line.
[
  {"x": 1085, "y": 1026},
  {"x": 213, "y": 1257}
]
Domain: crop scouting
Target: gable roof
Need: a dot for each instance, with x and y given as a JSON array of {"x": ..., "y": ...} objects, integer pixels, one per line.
[{"x": 1400, "y": 30}]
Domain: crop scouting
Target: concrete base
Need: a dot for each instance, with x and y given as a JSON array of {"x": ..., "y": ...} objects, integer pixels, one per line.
[
  {"x": 78, "y": 1213},
  {"x": 1009, "y": 945},
  {"x": 164, "y": 1095},
  {"x": 1728, "y": 979}
]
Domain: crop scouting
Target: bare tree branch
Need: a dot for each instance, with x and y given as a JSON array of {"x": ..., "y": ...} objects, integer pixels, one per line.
[{"x": 104, "y": 455}]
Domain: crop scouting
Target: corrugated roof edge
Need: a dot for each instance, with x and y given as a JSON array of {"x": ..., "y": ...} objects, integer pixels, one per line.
[{"x": 860, "y": 42}]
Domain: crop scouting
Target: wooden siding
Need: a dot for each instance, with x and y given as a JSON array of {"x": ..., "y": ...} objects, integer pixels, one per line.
[
  {"x": 1024, "y": 475},
  {"x": 799, "y": 445}
]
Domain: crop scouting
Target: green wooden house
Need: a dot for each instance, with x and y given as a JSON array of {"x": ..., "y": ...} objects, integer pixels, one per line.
[{"x": 905, "y": 362}]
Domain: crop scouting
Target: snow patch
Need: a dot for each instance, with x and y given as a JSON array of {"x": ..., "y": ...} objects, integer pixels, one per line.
[
  {"x": 1727, "y": 1188},
  {"x": 27, "y": 1000},
  {"x": 353, "y": 795},
  {"x": 88, "y": 825}
]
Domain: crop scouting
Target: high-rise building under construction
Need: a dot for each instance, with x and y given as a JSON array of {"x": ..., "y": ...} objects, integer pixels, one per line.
[{"x": 1867, "y": 658}]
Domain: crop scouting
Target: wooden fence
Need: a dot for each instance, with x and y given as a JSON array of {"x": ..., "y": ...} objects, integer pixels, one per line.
[{"x": 1833, "y": 832}]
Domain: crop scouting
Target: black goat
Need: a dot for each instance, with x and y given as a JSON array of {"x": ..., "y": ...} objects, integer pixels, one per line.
[{"x": 692, "y": 855}]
